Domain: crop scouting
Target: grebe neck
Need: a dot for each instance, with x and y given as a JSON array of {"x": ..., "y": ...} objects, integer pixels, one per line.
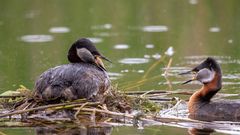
[{"x": 204, "y": 95}]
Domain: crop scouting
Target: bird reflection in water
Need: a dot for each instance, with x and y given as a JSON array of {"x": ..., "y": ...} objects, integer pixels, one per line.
[{"x": 74, "y": 131}]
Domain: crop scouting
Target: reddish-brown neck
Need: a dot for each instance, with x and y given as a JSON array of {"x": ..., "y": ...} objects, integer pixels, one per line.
[{"x": 205, "y": 94}]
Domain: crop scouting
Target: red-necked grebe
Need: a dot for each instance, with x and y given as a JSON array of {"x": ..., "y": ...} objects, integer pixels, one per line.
[
  {"x": 200, "y": 105},
  {"x": 84, "y": 77}
]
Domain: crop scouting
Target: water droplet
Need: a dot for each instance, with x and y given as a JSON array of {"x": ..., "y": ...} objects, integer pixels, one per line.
[
  {"x": 37, "y": 38},
  {"x": 134, "y": 61},
  {"x": 156, "y": 28},
  {"x": 59, "y": 30}
]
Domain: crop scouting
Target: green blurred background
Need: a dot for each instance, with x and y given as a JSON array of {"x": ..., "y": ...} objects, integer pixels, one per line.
[{"x": 35, "y": 36}]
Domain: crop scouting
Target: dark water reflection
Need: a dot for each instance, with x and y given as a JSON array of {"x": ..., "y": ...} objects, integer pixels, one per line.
[
  {"x": 36, "y": 35},
  {"x": 194, "y": 131},
  {"x": 74, "y": 131}
]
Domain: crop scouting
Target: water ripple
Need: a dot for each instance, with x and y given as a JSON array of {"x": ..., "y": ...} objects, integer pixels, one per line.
[
  {"x": 121, "y": 46},
  {"x": 133, "y": 61},
  {"x": 114, "y": 76},
  {"x": 95, "y": 40},
  {"x": 59, "y": 30},
  {"x": 214, "y": 29},
  {"x": 156, "y": 56},
  {"x": 149, "y": 46},
  {"x": 155, "y": 28},
  {"x": 104, "y": 26},
  {"x": 37, "y": 38}
]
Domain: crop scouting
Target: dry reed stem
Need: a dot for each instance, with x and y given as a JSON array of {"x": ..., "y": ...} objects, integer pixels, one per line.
[
  {"x": 145, "y": 79},
  {"x": 73, "y": 104},
  {"x": 78, "y": 111},
  {"x": 153, "y": 66},
  {"x": 141, "y": 82},
  {"x": 166, "y": 74}
]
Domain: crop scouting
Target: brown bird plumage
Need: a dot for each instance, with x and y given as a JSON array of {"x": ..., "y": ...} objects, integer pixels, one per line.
[
  {"x": 200, "y": 105},
  {"x": 84, "y": 77}
]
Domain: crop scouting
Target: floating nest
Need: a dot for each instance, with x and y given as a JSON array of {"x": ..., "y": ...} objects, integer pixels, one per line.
[{"x": 118, "y": 107}]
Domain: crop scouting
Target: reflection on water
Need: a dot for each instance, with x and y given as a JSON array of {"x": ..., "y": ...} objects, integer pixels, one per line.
[
  {"x": 104, "y": 26},
  {"x": 114, "y": 76},
  {"x": 59, "y": 30},
  {"x": 160, "y": 28},
  {"x": 95, "y": 40},
  {"x": 195, "y": 131},
  {"x": 74, "y": 131},
  {"x": 121, "y": 46},
  {"x": 195, "y": 29},
  {"x": 193, "y": 2},
  {"x": 105, "y": 34},
  {"x": 149, "y": 46},
  {"x": 156, "y": 56},
  {"x": 214, "y": 29},
  {"x": 37, "y": 38},
  {"x": 134, "y": 61},
  {"x": 230, "y": 41}
]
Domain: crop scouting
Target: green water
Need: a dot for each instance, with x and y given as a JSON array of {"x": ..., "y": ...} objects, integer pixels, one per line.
[{"x": 194, "y": 28}]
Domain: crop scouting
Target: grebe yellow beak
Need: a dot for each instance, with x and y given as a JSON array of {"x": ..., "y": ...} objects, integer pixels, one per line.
[{"x": 99, "y": 62}]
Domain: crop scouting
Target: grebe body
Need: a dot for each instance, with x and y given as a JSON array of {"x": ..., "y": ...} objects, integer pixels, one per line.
[
  {"x": 200, "y": 105},
  {"x": 84, "y": 77}
]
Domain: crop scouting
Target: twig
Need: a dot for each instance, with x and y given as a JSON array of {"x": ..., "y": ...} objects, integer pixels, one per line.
[
  {"x": 160, "y": 99},
  {"x": 168, "y": 67},
  {"x": 166, "y": 74},
  {"x": 142, "y": 92},
  {"x": 78, "y": 111},
  {"x": 39, "y": 108},
  {"x": 114, "y": 113},
  {"x": 158, "y": 92},
  {"x": 1, "y": 133},
  {"x": 16, "y": 96}
]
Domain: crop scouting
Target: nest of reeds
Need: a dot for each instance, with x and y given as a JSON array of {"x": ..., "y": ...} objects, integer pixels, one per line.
[{"x": 117, "y": 107}]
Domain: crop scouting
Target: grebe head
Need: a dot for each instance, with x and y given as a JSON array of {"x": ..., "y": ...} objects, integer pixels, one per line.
[
  {"x": 83, "y": 50},
  {"x": 204, "y": 76},
  {"x": 205, "y": 72}
]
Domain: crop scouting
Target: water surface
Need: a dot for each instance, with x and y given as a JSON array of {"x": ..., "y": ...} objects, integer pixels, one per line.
[{"x": 35, "y": 35}]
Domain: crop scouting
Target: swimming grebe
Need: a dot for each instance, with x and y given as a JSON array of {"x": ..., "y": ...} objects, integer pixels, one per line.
[
  {"x": 84, "y": 77},
  {"x": 200, "y": 105}
]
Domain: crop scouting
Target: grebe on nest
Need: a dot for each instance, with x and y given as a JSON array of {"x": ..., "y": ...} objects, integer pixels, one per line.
[
  {"x": 84, "y": 77},
  {"x": 200, "y": 105}
]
